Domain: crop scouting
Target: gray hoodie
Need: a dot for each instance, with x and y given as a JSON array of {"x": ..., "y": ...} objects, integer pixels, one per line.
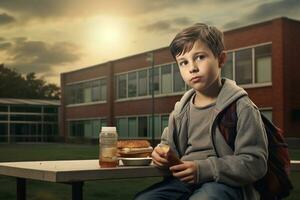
[{"x": 240, "y": 168}]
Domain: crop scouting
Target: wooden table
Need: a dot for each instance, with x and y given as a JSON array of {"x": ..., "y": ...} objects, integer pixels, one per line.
[{"x": 73, "y": 172}]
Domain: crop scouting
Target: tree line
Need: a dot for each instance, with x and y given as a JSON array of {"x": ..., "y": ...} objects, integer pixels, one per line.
[{"x": 16, "y": 85}]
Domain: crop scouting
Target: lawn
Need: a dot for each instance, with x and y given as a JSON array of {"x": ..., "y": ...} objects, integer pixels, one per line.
[{"x": 106, "y": 190}]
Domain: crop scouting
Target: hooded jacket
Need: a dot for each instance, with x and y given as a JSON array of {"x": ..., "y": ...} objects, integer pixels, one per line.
[{"x": 248, "y": 162}]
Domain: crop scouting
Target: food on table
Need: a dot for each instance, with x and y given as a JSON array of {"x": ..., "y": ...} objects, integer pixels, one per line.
[
  {"x": 170, "y": 155},
  {"x": 134, "y": 148}
]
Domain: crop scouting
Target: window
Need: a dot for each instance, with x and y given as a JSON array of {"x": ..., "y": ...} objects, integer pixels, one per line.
[
  {"x": 243, "y": 66},
  {"x": 156, "y": 81},
  {"x": 86, "y": 128},
  {"x": 157, "y": 129},
  {"x": 51, "y": 118},
  {"x": 263, "y": 64},
  {"x": 166, "y": 79},
  {"x": 3, "y": 108},
  {"x": 227, "y": 69},
  {"x": 122, "y": 127},
  {"x": 142, "y": 83},
  {"x": 122, "y": 86},
  {"x": 132, "y": 127},
  {"x": 3, "y": 117},
  {"x": 132, "y": 86},
  {"x": 87, "y": 92},
  {"x": 25, "y": 118},
  {"x": 178, "y": 83},
  {"x": 143, "y": 129},
  {"x": 164, "y": 122},
  {"x": 267, "y": 113},
  {"x": 103, "y": 89},
  {"x": 53, "y": 110},
  {"x": 27, "y": 109}
]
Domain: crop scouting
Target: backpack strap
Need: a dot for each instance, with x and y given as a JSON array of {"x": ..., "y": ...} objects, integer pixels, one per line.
[{"x": 227, "y": 123}]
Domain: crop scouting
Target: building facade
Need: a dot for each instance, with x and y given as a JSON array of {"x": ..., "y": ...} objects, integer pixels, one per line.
[
  {"x": 29, "y": 120},
  {"x": 262, "y": 58}
]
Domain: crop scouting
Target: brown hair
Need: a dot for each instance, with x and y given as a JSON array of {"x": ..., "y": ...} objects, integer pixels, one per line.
[{"x": 210, "y": 35}]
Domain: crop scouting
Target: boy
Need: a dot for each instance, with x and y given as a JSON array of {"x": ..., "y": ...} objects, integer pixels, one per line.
[{"x": 209, "y": 168}]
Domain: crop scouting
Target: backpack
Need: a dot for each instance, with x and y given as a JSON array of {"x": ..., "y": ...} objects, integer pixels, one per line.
[{"x": 276, "y": 183}]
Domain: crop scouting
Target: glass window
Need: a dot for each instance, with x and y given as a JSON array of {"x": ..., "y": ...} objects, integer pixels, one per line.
[
  {"x": 28, "y": 109},
  {"x": 164, "y": 122},
  {"x": 3, "y": 108},
  {"x": 263, "y": 64},
  {"x": 88, "y": 128},
  {"x": 243, "y": 66},
  {"x": 166, "y": 79},
  {"x": 50, "y": 110},
  {"x": 25, "y": 117},
  {"x": 132, "y": 86},
  {"x": 156, "y": 80},
  {"x": 76, "y": 128},
  {"x": 87, "y": 94},
  {"x": 157, "y": 129},
  {"x": 142, "y": 83},
  {"x": 178, "y": 83},
  {"x": 227, "y": 69},
  {"x": 103, "y": 89},
  {"x": 267, "y": 113},
  {"x": 3, "y": 117},
  {"x": 132, "y": 127},
  {"x": 3, "y": 129},
  {"x": 122, "y": 126},
  {"x": 122, "y": 86},
  {"x": 143, "y": 131},
  {"x": 51, "y": 118}
]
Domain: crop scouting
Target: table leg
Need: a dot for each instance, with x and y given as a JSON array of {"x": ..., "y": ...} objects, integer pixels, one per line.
[
  {"x": 77, "y": 190},
  {"x": 21, "y": 189}
]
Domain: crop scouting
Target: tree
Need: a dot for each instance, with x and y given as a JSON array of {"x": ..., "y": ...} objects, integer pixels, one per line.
[{"x": 14, "y": 85}]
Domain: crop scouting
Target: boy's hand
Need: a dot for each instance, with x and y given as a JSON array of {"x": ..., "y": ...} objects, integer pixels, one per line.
[
  {"x": 158, "y": 157},
  {"x": 186, "y": 172}
]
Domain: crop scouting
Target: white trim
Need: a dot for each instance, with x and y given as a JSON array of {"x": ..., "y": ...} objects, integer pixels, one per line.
[
  {"x": 248, "y": 47},
  {"x": 87, "y": 80},
  {"x": 265, "y": 108},
  {"x": 149, "y": 96},
  {"x": 85, "y": 104},
  {"x": 85, "y": 119},
  {"x": 256, "y": 85}
]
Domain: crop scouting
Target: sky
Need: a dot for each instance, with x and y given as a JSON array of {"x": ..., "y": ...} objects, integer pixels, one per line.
[{"x": 50, "y": 37}]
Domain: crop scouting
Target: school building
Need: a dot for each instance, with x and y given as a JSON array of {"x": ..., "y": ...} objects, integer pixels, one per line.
[
  {"x": 263, "y": 58},
  {"x": 29, "y": 120}
]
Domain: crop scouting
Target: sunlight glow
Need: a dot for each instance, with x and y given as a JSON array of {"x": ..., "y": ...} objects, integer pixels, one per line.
[{"x": 105, "y": 32}]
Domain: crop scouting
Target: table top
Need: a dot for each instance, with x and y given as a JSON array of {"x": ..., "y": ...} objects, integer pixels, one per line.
[
  {"x": 83, "y": 170},
  {"x": 75, "y": 170}
]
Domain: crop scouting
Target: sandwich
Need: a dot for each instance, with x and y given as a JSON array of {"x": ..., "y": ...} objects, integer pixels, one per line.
[{"x": 134, "y": 148}]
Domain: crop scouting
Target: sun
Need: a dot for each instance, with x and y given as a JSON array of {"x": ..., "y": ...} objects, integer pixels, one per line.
[{"x": 105, "y": 32}]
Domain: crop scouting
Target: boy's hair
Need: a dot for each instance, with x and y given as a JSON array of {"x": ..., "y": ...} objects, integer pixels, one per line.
[{"x": 210, "y": 35}]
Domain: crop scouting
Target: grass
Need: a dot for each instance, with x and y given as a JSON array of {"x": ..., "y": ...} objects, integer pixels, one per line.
[{"x": 106, "y": 190}]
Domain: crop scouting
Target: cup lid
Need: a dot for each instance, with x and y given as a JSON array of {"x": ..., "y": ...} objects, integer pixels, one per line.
[{"x": 108, "y": 129}]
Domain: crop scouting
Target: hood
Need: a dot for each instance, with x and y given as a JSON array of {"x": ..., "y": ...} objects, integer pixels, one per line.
[{"x": 228, "y": 94}]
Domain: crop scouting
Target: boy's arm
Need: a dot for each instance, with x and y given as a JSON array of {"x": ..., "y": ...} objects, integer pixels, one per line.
[{"x": 249, "y": 161}]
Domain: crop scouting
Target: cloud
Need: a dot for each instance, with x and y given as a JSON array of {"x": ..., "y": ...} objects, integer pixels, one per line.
[
  {"x": 169, "y": 25},
  {"x": 5, "y": 45},
  {"x": 6, "y": 19},
  {"x": 267, "y": 11},
  {"x": 274, "y": 9},
  {"x": 33, "y": 9},
  {"x": 39, "y": 56}
]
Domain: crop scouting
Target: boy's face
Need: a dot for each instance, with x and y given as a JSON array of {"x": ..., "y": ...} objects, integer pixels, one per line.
[{"x": 199, "y": 67}]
